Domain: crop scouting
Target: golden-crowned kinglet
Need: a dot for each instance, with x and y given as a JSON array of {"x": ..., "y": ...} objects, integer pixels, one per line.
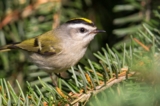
[{"x": 59, "y": 49}]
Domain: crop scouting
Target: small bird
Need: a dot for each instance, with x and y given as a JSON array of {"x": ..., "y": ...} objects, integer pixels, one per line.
[{"x": 57, "y": 50}]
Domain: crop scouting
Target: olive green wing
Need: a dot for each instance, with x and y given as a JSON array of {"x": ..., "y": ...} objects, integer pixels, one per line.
[{"x": 45, "y": 44}]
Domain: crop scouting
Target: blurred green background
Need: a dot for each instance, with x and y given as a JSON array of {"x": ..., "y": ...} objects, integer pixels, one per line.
[{"x": 23, "y": 19}]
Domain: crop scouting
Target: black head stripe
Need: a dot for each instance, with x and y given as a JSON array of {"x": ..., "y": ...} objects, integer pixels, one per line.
[{"x": 76, "y": 21}]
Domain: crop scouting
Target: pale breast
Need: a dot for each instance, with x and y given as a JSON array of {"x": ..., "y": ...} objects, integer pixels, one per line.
[{"x": 59, "y": 62}]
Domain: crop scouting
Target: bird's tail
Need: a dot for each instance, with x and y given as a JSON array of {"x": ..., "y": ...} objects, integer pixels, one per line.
[{"x": 8, "y": 47}]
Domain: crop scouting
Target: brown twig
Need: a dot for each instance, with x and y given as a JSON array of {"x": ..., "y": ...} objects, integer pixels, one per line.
[
  {"x": 26, "y": 12},
  {"x": 140, "y": 43},
  {"x": 100, "y": 88}
]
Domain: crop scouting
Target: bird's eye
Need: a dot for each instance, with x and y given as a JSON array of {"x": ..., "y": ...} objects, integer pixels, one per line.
[{"x": 82, "y": 30}]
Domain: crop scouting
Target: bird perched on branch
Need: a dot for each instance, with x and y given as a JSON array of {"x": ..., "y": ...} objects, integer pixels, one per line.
[{"x": 57, "y": 50}]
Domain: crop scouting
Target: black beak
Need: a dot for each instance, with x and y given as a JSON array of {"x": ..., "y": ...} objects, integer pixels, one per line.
[{"x": 99, "y": 31}]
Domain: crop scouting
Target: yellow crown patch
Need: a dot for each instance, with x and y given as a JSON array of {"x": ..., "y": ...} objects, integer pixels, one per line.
[{"x": 84, "y": 19}]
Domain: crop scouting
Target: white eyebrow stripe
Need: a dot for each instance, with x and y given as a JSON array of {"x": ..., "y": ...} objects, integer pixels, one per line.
[{"x": 80, "y": 25}]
